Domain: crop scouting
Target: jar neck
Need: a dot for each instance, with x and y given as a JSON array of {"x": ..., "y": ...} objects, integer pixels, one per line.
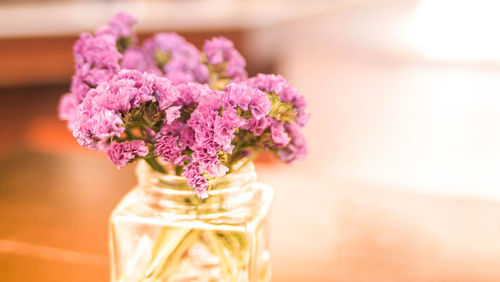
[{"x": 172, "y": 193}]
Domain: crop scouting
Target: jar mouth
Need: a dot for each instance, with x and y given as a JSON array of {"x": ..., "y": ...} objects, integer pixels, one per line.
[{"x": 177, "y": 185}]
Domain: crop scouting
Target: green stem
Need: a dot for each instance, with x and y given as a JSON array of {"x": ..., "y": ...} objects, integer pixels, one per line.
[
  {"x": 169, "y": 248},
  {"x": 153, "y": 163},
  {"x": 240, "y": 145},
  {"x": 248, "y": 160},
  {"x": 172, "y": 244},
  {"x": 178, "y": 170},
  {"x": 218, "y": 248},
  {"x": 129, "y": 133}
]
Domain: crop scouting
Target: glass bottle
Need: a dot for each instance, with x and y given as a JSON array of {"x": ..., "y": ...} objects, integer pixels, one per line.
[{"x": 161, "y": 231}]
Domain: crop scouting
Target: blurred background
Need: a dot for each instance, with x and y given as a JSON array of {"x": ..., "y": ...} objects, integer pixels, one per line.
[{"x": 402, "y": 182}]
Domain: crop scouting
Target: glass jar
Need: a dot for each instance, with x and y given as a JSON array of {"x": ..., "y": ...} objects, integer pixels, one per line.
[{"x": 161, "y": 231}]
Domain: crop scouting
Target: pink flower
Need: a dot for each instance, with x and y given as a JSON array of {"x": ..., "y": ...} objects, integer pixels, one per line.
[
  {"x": 179, "y": 59},
  {"x": 297, "y": 148},
  {"x": 258, "y": 126},
  {"x": 122, "y": 153},
  {"x": 280, "y": 137},
  {"x": 96, "y": 60},
  {"x": 206, "y": 156},
  {"x": 97, "y": 52},
  {"x": 127, "y": 100},
  {"x": 185, "y": 133},
  {"x": 196, "y": 180},
  {"x": 124, "y": 92},
  {"x": 276, "y": 84},
  {"x": 221, "y": 50},
  {"x": 67, "y": 109},
  {"x": 119, "y": 26},
  {"x": 136, "y": 58},
  {"x": 191, "y": 93},
  {"x": 164, "y": 91},
  {"x": 168, "y": 147},
  {"x": 245, "y": 97},
  {"x": 224, "y": 128},
  {"x": 99, "y": 126}
]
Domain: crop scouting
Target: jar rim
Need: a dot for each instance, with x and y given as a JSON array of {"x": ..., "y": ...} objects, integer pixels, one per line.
[{"x": 177, "y": 185}]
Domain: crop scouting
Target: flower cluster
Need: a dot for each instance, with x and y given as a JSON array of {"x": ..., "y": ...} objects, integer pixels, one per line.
[{"x": 196, "y": 112}]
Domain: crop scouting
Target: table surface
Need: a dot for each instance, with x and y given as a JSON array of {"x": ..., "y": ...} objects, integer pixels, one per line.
[{"x": 54, "y": 209}]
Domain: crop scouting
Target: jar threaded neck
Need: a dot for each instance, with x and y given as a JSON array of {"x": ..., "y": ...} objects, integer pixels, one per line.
[{"x": 172, "y": 191}]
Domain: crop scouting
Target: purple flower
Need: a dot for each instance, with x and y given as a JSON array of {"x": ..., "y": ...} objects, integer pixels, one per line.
[
  {"x": 131, "y": 88},
  {"x": 93, "y": 126},
  {"x": 280, "y": 137},
  {"x": 246, "y": 98},
  {"x": 136, "y": 58},
  {"x": 96, "y": 52},
  {"x": 180, "y": 60},
  {"x": 297, "y": 148},
  {"x": 122, "y": 153},
  {"x": 119, "y": 26},
  {"x": 201, "y": 73},
  {"x": 276, "y": 84},
  {"x": 105, "y": 124},
  {"x": 213, "y": 132},
  {"x": 67, "y": 109},
  {"x": 220, "y": 50},
  {"x": 172, "y": 139},
  {"x": 165, "y": 92},
  {"x": 99, "y": 116},
  {"x": 172, "y": 113},
  {"x": 139, "y": 148},
  {"x": 190, "y": 109},
  {"x": 167, "y": 147},
  {"x": 124, "y": 92},
  {"x": 224, "y": 127},
  {"x": 207, "y": 157},
  {"x": 202, "y": 120},
  {"x": 93, "y": 76},
  {"x": 191, "y": 93},
  {"x": 78, "y": 88},
  {"x": 184, "y": 131},
  {"x": 249, "y": 99},
  {"x": 179, "y": 77},
  {"x": 196, "y": 180},
  {"x": 96, "y": 61},
  {"x": 258, "y": 126}
]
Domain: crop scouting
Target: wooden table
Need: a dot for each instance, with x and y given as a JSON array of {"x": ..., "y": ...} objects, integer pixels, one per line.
[{"x": 54, "y": 209}]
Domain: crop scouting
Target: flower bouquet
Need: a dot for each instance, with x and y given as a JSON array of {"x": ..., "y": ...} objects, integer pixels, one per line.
[{"x": 196, "y": 121}]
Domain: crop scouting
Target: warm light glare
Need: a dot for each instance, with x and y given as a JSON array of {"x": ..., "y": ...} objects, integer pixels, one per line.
[{"x": 457, "y": 30}]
